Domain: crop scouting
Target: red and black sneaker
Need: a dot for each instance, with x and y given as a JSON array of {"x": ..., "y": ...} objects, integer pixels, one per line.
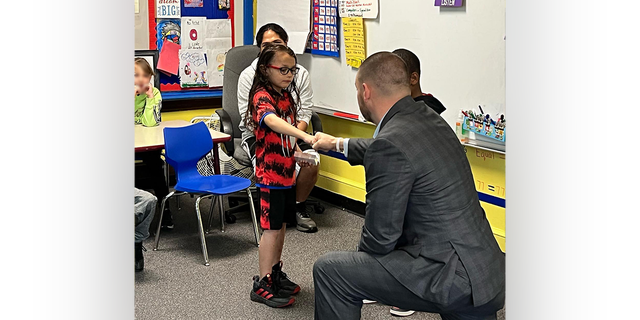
[
  {"x": 267, "y": 292},
  {"x": 282, "y": 280}
]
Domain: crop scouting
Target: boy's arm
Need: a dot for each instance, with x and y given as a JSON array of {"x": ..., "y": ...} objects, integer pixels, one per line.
[
  {"x": 280, "y": 126},
  {"x": 151, "y": 113}
]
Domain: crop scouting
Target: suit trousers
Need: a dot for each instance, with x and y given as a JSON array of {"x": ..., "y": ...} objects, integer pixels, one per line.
[{"x": 343, "y": 279}]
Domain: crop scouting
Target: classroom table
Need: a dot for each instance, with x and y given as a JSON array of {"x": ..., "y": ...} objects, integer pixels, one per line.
[{"x": 152, "y": 138}]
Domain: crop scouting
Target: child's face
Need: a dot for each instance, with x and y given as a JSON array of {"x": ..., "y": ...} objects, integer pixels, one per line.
[
  {"x": 141, "y": 79},
  {"x": 277, "y": 79}
]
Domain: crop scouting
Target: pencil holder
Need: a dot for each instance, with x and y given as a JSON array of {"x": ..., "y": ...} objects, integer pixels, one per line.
[{"x": 485, "y": 129}]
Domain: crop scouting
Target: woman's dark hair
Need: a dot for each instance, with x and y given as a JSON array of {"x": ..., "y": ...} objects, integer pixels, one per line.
[
  {"x": 261, "y": 80},
  {"x": 273, "y": 27}
]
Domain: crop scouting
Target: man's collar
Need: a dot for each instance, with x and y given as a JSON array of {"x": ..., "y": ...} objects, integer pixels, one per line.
[{"x": 408, "y": 100}]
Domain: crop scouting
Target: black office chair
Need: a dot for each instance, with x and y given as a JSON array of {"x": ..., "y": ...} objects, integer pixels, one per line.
[{"x": 238, "y": 59}]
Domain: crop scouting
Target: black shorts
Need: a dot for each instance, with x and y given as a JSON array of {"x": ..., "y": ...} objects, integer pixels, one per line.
[{"x": 277, "y": 206}]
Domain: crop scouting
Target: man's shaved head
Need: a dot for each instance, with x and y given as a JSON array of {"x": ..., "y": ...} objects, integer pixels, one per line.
[
  {"x": 385, "y": 71},
  {"x": 382, "y": 81}
]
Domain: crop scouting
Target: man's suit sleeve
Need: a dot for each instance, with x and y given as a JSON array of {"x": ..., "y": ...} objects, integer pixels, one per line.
[
  {"x": 357, "y": 149},
  {"x": 389, "y": 182}
]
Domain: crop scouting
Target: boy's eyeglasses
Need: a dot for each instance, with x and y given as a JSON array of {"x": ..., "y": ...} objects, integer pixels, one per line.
[{"x": 285, "y": 71}]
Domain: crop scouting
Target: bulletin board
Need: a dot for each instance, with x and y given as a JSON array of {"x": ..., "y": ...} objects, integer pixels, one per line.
[{"x": 171, "y": 83}]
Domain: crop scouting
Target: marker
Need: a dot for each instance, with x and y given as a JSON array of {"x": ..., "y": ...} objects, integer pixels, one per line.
[
  {"x": 481, "y": 109},
  {"x": 346, "y": 115}
]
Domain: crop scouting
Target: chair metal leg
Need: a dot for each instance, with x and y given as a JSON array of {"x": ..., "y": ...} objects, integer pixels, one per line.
[
  {"x": 220, "y": 201},
  {"x": 155, "y": 248},
  {"x": 213, "y": 204},
  {"x": 166, "y": 172},
  {"x": 202, "y": 238},
  {"x": 253, "y": 217},
  {"x": 179, "y": 203}
]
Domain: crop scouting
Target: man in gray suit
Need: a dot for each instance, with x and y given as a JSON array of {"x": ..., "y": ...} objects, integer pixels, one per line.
[{"x": 426, "y": 243}]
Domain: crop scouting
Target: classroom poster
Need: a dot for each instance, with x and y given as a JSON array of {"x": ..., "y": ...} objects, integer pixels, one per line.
[
  {"x": 193, "y": 30},
  {"x": 167, "y": 29},
  {"x": 354, "y": 44},
  {"x": 367, "y": 9},
  {"x": 193, "y": 68},
  {"x": 217, "y": 43},
  {"x": 215, "y": 66},
  {"x": 325, "y": 28},
  {"x": 193, "y": 3},
  {"x": 167, "y": 9},
  {"x": 293, "y": 15}
]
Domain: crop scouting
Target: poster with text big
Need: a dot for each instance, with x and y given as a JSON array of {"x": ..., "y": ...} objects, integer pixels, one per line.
[{"x": 167, "y": 9}]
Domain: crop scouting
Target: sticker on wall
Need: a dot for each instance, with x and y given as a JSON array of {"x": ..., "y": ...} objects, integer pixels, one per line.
[{"x": 193, "y": 3}]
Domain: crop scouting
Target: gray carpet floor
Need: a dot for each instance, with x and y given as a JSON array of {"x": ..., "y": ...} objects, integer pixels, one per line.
[{"x": 176, "y": 285}]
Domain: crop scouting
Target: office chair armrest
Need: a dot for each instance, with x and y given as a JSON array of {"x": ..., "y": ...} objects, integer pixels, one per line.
[
  {"x": 226, "y": 127},
  {"x": 316, "y": 124}
]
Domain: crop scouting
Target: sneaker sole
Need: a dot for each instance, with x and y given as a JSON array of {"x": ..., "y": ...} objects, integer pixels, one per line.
[
  {"x": 295, "y": 291},
  {"x": 307, "y": 230},
  {"x": 272, "y": 304},
  {"x": 402, "y": 313}
]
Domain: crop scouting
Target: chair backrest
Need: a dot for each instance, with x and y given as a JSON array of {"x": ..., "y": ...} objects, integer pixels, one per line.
[
  {"x": 238, "y": 59},
  {"x": 184, "y": 146}
]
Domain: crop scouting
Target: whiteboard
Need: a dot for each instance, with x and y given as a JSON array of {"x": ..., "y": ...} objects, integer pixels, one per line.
[{"x": 461, "y": 51}]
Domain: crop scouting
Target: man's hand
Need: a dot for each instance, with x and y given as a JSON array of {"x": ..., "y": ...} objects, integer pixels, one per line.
[{"x": 324, "y": 142}]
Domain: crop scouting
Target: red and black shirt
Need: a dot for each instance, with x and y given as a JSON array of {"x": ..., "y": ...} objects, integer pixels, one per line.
[{"x": 275, "y": 163}]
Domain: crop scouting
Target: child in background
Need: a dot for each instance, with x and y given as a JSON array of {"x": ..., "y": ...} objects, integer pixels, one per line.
[
  {"x": 148, "y": 103},
  {"x": 271, "y": 114},
  {"x": 413, "y": 66},
  {"x": 148, "y": 100}
]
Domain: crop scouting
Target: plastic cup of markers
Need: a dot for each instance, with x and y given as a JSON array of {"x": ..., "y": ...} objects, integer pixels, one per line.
[
  {"x": 468, "y": 122},
  {"x": 488, "y": 128},
  {"x": 499, "y": 131},
  {"x": 478, "y": 125}
]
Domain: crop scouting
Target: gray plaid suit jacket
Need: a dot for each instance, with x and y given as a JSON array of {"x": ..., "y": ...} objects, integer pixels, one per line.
[{"x": 423, "y": 216}]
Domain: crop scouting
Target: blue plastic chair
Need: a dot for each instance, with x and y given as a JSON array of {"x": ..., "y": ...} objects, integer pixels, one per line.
[{"x": 184, "y": 146}]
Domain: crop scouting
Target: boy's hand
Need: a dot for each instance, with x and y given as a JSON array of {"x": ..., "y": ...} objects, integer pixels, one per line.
[
  {"x": 136, "y": 90},
  {"x": 309, "y": 139},
  {"x": 149, "y": 91}
]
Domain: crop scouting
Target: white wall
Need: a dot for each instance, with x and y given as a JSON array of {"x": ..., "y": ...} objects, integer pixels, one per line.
[{"x": 462, "y": 54}]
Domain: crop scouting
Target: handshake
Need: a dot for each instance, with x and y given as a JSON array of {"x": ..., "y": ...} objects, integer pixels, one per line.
[{"x": 322, "y": 141}]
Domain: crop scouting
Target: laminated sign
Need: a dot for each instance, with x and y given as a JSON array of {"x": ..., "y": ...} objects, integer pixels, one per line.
[{"x": 167, "y": 9}]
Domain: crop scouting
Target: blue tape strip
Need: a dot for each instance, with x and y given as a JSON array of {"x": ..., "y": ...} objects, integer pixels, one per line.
[
  {"x": 247, "y": 19},
  {"x": 492, "y": 200},
  {"x": 191, "y": 94}
]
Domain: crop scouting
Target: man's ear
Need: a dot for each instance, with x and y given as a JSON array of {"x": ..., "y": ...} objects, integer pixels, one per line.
[
  {"x": 415, "y": 78},
  {"x": 366, "y": 91}
]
